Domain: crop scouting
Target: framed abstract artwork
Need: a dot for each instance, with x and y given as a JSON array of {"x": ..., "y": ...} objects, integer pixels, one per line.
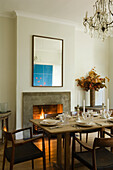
[{"x": 47, "y": 61}]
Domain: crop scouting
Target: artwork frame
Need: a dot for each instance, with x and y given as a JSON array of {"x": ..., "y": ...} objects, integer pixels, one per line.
[{"x": 47, "y": 61}]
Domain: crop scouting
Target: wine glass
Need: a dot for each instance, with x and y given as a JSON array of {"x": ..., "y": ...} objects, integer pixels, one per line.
[
  {"x": 84, "y": 115},
  {"x": 108, "y": 114}
]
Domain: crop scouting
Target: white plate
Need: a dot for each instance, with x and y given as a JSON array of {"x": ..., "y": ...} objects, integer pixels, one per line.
[
  {"x": 111, "y": 119},
  {"x": 84, "y": 124},
  {"x": 95, "y": 114},
  {"x": 49, "y": 122}
]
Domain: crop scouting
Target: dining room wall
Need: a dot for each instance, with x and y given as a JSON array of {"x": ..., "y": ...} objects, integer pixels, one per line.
[
  {"x": 8, "y": 66},
  {"x": 111, "y": 72},
  {"x": 90, "y": 53},
  {"x": 81, "y": 53}
]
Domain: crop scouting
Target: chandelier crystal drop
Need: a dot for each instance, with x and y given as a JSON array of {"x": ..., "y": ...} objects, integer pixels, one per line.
[{"x": 100, "y": 25}]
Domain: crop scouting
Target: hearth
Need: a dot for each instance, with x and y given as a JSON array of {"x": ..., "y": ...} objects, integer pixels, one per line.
[{"x": 44, "y": 111}]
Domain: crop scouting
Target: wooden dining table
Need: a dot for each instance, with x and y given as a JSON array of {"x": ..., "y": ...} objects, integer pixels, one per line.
[{"x": 71, "y": 127}]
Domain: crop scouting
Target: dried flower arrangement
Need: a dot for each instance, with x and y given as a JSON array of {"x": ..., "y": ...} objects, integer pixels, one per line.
[{"x": 92, "y": 81}]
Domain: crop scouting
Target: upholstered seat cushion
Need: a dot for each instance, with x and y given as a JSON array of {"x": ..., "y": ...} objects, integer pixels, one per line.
[
  {"x": 104, "y": 158},
  {"x": 24, "y": 152}
]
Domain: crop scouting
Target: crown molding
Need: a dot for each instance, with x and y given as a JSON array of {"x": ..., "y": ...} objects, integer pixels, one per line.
[
  {"x": 45, "y": 18},
  {"x": 8, "y": 14},
  {"x": 16, "y": 13}
]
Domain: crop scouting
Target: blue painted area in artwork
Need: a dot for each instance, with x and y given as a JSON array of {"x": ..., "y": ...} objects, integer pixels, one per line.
[{"x": 42, "y": 75}]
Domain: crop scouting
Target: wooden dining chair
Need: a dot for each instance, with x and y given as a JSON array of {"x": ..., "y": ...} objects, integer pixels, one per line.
[
  {"x": 96, "y": 157},
  {"x": 22, "y": 151},
  {"x": 87, "y": 132}
]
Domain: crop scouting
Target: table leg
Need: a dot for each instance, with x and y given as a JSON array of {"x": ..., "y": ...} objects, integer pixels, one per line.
[
  {"x": 67, "y": 152},
  {"x": 112, "y": 134},
  {"x": 102, "y": 135},
  {"x": 2, "y": 130},
  {"x": 59, "y": 156}
]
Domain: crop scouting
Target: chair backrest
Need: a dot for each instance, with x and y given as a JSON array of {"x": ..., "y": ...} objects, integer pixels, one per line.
[
  {"x": 8, "y": 136},
  {"x": 103, "y": 142}
]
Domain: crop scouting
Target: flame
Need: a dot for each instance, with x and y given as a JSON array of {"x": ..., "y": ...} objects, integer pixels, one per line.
[
  {"x": 42, "y": 114},
  {"x": 5, "y": 129}
]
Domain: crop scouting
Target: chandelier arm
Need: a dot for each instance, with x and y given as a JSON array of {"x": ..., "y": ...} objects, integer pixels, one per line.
[
  {"x": 94, "y": 15},
  {"x": 88, "y": 24},
  {"x": 109, "y": 8},
  {"x": 111, "y": 26},
  {"x": 110, "y": 23}
]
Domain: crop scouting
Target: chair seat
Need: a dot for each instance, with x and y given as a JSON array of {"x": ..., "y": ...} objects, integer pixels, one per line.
[
  {"x": 25, "y": 152},
  {"x": 104, "y": 159}
]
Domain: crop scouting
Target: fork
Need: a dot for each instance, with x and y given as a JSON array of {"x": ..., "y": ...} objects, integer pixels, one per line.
[{"x": 54, "y": 127}]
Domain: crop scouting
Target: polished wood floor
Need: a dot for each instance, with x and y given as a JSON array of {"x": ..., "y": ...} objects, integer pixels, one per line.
[{"x": 39, "y": 163}]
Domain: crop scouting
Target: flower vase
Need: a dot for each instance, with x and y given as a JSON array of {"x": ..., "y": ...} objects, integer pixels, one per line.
[{"x": 92, "y": 97}]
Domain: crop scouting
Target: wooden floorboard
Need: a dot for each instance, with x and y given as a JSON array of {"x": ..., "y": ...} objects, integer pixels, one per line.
[{"x": 38, "y": 163}]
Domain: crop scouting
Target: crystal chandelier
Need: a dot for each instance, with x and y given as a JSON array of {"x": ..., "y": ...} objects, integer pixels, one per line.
[{"x": 100, "y": 25}]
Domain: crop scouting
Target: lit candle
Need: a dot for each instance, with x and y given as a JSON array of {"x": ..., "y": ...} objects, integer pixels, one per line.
[
  {"x": 108, "y": 105},
  {"x": 83, "y": 106},
  {"x": 86, "y": 15}
]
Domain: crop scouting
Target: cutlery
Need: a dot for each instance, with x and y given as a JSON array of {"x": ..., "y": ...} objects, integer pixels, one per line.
[
  {"x": 54, "y": 127},
  {"x": 76, "y": 126},
  {"x": 98, "y": 124},
  {"x": 110, "y": 122}
]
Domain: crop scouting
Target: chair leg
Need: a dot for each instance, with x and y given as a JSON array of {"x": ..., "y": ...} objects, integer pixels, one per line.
[
  {"x": 80, "y": 139},
  {"x": 63, "y": 142},
  {"x": 44, "y": 163},
  {"x": 86, "y": 137},
  {"x": 49, "y": 149},
  {"x": 73, "y": 150},
  {"x": 11, "y": 166},
  {"x": 98, "y": 134},
  {"x": 32, "y": 164},
  {"x": 44, "y": 159},
  {"x": 3, "y": 165}
]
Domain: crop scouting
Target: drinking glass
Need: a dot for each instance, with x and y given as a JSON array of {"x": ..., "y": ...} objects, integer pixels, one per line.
[
  {"x": 66, "y": 117},
  {"x": 84, "y": 115},
  {"x": 108, "y": 114},
  {"x": 101, "y": 112},
  {"x": 89, "y": 115},
  {"x": 4, "y": 107}
]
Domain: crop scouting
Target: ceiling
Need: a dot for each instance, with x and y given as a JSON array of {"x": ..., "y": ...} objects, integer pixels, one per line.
[{"x": 70, "y": 10}]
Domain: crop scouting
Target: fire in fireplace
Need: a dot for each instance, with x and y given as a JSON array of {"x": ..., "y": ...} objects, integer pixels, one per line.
[{"x": 41, "y": 112}]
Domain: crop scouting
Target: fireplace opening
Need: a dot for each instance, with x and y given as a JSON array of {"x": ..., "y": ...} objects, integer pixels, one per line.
[{"x": 44, "y": 111}]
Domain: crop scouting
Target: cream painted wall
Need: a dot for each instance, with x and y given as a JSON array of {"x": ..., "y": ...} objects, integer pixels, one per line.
[
  {"x": 81, "y": 53},
  {"x": 90, "y": 53},
  {"x": 111, "y": 72},
  {"x": 8, "y": 65}
]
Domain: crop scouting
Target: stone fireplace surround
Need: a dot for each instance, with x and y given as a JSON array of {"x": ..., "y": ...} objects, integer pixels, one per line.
[{"x": 42, "y": 98}]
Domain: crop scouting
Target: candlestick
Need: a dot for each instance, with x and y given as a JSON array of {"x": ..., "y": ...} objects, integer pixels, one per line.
[
  {"x": 78, "y": 117},
  {"x": 102, "y": 106},
  {"x": 83, "y": 106},
  {"x": 86, "y": 14}
]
